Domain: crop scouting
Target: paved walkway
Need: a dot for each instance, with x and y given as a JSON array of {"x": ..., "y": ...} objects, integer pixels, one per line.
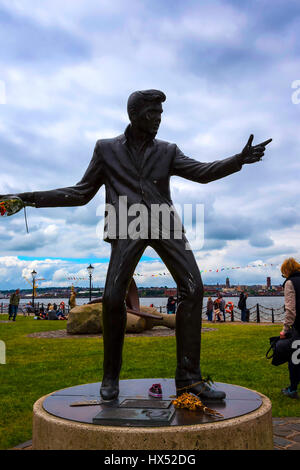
[{"x": 286, "y": 435}]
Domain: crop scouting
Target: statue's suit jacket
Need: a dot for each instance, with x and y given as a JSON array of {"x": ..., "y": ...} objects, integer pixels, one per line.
[{"x": 148, "y": 183}]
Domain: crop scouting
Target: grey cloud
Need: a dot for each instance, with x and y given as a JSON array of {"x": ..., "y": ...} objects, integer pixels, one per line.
[
  {"x": 19, "y": 245},
  {"x": 261, "y": 241},
  {"x": 228, "y": 229},
  {"x": 214, "y": 244},
  {"x": 274, "y": 251}
]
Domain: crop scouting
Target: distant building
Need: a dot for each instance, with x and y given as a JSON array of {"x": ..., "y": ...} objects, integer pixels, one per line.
[
  {"x": 227, "y": 283},
  {"x": 229, "y": 290},
  {"x": 170, "y": 292},
  {"x": 268, "y": 283},
  {"x": 211, "y": 289}
]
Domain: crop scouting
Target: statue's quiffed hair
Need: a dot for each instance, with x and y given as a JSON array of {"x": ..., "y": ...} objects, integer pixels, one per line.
[{"x": 138, "y": 99}]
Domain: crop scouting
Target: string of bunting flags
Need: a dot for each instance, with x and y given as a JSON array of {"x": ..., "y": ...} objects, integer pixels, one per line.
[
  {"x": 77, "y": 278},
  {"x": 216, "y": 270}
]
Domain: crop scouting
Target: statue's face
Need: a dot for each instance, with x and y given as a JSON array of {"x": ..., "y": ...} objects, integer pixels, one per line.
[{"x": 149, "y": 118}]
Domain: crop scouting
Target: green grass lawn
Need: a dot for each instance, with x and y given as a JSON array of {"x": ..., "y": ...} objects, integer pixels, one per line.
[{"x": 233, "y": 353}]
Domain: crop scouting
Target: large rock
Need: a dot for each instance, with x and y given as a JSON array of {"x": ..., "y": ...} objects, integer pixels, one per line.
[{"x": 85, "y": 319}]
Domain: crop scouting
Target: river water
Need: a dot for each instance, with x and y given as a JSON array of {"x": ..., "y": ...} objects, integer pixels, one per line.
[{"x": 270, "y": 302}]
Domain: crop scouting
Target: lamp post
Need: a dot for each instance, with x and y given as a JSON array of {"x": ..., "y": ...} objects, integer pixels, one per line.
[
  {"x": 90, "y": 269},
  {"x": 33, "y": 274}
]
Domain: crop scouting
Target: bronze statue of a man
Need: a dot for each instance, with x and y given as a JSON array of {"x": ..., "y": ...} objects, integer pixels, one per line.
[{"x": 135, "y": 167}]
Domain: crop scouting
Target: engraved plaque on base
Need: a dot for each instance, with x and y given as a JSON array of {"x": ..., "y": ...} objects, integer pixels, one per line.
[{"x": 134, "y": 417}]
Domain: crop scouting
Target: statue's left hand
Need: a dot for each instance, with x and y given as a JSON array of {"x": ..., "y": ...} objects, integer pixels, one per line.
[
  {"x": 253, "y": 153},
  {"x": 26, "y": 198}
]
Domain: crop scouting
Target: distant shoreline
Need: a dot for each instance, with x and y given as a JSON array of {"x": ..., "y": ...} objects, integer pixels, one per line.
[{"x": 146, "y": 296}]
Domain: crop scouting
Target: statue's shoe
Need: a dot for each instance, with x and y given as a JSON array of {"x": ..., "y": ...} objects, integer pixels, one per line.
[
  {"x": 201, "y": 389},
  {"x": 109, "y": 390}
]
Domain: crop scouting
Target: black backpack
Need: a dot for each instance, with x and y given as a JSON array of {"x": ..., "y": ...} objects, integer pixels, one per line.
[{"x": 281, "y": 349}]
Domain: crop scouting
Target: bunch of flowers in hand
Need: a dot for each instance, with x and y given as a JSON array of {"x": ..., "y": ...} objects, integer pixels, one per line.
[
  {"x": 2, "y": 208},
  {"x": 10, "y": 206}
]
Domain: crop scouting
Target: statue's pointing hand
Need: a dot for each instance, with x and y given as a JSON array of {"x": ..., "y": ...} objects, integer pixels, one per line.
[{"x": 253, "y": 153}]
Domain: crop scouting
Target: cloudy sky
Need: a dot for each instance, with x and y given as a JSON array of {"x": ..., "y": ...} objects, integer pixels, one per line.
[{"x": 227, "y": 68}]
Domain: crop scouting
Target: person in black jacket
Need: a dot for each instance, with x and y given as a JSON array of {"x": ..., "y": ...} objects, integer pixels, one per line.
[
  {"x": 135, "y": 168},
  {"x": 242, "y": 305},
  {"x": 171, "y": 305},
  {"x": 291, "y": 326}
]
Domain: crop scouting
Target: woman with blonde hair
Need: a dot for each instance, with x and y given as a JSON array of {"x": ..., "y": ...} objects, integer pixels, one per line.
[{"x": 290, "y": 269}]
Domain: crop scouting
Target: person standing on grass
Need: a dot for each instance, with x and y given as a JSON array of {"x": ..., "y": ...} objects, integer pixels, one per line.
[
  {"x": 171, "y": 305},
  {"x": 290, "y": 269},
  {"x": 242, "y": 305},
  {"x": 14, "y": 304},
  {"x": 247, "y": 315},
  {"x": 217, "y": 311},
  {"x": 209, "y": 309},
  {"x": 222, "y": 306}
]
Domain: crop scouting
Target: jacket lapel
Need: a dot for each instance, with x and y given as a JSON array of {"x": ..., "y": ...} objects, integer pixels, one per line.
[
  {"x": 149, "y": 151},
  {"x": 124, "y": 154}
]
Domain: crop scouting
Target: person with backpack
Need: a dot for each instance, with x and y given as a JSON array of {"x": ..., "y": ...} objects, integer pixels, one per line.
[
  {"x": 290, "y": 270},
  {"x": 14, "y": 305}
]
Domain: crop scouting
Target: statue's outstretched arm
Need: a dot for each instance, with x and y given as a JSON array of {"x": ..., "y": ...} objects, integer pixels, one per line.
[{"x": 205, "y": 172}]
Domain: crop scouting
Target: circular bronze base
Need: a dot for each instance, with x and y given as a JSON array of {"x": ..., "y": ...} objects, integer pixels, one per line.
[{"x": 239, "y": 401}]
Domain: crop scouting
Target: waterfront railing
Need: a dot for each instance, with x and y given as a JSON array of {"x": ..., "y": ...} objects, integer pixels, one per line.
[{"x": 256, "y": 314}]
